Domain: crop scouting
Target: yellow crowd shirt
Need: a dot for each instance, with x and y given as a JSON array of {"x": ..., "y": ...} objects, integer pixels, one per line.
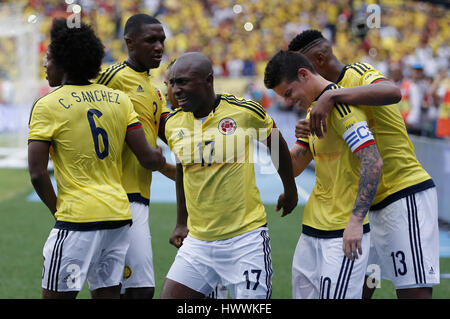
[
  {"x": 86, "y": 126},
  {"x": 216, "y": 153},
  {"x": 337, "y": 170},
  {"x": 402, "y": 174},
  {"x": 150, "y": 105}
]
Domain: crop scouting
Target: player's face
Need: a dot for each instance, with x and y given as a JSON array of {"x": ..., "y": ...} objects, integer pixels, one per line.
[
  {"x": 54, "y": 74},
  {"x": 295, "y": 93},
  {"x": 189, "y": 89},
  {"x": 169, "y": 93},
  {"x": 148, "y": 46}
]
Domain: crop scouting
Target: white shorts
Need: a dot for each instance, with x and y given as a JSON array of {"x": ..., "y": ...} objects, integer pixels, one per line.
[
  {"x": 72, "y": 257},
  {"x": 405, "y": 240},
  {"x": 320, "y": 269},
  {"x": 241, "y": 263},
  {"x": 138, "y": 270}
]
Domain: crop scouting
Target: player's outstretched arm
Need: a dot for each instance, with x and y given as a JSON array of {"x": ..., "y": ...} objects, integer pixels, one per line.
[
  {"x": 281, "y": 158},
  {"x": 376, "y": 94},
  {"x": 301, "y": 157},
  {"x": 149, "y": 157},
  {"x": 370, "y": 172},
  {"x": 180, "y": 232},
  {"x": 37, "y": 165}
]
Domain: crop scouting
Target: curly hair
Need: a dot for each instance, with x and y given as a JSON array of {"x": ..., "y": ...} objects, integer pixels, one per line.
[
  {"x": 305, "y": 40},
  {"x": 78, "y": 51},
  {"x": 284, "y": 66}
]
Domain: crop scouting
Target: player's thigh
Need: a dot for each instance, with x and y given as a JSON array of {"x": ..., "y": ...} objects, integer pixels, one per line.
[
  {"x": 67, "y": 256},
  {"x": 405, "y": 235},
  {"x": 342, "y": 278},
  {"x": 139, "y": 270},
  {"x": 245, "y": 265},
  {"x": 106, "y": 269},
  {"x": 305, "y": 269},
  {"x": 193, "y": 267}
]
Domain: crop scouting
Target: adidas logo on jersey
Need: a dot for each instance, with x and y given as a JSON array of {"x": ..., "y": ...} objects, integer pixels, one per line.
[
  {"x": 140, "y": 89},
  {"x": 180, "y": 134}
]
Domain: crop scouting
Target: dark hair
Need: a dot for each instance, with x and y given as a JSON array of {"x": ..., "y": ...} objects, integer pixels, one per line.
[
  {"x": 305, "y": 40},
  {"x": 284, "y": 66},
  {"x": 134, "y": 23},
  {"x": 78, "y": 51}
]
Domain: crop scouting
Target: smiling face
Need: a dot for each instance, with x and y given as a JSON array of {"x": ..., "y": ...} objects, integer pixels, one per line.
[
  {"x": 298, "y": 92},
  {"x": 54, "y": 74},
  {"x": 169, "y": 94},
  {"x": 189, "y": 88},
  {"x": 147, "y": 46},
  {"x": 192, "y": 83}
]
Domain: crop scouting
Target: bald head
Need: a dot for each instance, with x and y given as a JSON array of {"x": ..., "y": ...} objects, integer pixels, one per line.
[
  {"x": 192, "y": 82},
  {"x": 195, "y": 62}
]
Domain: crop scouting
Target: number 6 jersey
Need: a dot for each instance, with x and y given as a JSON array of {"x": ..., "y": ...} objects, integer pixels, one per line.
[{"x": 86, "y": 126}]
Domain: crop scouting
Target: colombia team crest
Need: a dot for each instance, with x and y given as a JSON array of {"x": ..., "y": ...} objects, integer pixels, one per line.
[{"x": 227, "y": 126}]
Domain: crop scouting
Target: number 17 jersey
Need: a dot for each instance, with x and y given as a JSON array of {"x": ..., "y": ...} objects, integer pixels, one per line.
[{"x": 86, "y": 126}]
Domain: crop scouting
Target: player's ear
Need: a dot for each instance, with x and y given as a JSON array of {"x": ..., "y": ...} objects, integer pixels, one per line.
[
  {"x": 320, "y": 58},
  {"x": 129, "y": 42},
  {"x": 302, "y": 74}
]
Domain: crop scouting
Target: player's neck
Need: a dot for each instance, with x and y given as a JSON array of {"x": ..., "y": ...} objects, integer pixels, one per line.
[
  {"x": 336, "y": 68},
  {"x": 72, "y": 81},
  {"x": 320, "y": 86},
  {"x": 204, "y": 111},
  {"x": 136, "y": 66}
]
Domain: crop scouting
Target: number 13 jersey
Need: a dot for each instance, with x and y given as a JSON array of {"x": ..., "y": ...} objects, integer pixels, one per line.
[{"x": 86, "y": 126}]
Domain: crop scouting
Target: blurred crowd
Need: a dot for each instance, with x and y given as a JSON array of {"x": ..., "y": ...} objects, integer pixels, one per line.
[{"x": 406, "y": 40}]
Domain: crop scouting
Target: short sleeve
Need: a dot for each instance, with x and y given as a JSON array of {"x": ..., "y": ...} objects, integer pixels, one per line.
[
  {"x": 132, "y": 116},
  {"x": 42, "y": 125},
  {"x": 351, "y": 123},
  {"x": 370, "y": 74},
  {"x": 265, "y": 127}
]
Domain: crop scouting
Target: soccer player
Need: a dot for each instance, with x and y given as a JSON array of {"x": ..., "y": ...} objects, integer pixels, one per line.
[
  {"x": 170, "y": 98},
  {"x": 319, "y": 52},
  {"x": 331, "y": 256},
  {"x": 144, "y": 38},
  {"x": 217, "y": 198},
  {"x": 404, "y": 214},
  {"x": 84, "y": 127}
]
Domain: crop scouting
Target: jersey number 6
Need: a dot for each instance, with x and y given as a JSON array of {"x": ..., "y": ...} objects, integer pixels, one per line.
[{"x": 96, "y": 131}]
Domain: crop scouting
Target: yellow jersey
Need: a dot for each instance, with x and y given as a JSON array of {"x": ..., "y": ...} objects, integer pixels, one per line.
[
  {"x": 86, "y": 126},
  {"x": 216, "y": 153},
  {"x": 337, "y": 170},
  {"x": 402, "y": 174},
  {"x": 150, "y": 105}
]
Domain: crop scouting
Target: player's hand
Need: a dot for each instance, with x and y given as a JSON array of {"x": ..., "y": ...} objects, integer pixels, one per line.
[
  {"x": 302, "y": 129},
  {"x": 352, "y": 238},
  {"x": 318, "y": 114},
  {"x": 178, "y": 235},
  {"x": 287, "y": 202}
]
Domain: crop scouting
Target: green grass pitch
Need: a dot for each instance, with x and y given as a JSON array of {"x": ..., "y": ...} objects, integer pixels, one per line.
[{"x": 26, "y": 225}]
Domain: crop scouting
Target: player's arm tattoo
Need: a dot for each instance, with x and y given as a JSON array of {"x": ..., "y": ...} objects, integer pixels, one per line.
[
  {"x": 371, "y": 166},
  {"x": 301, "y": 151}
]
